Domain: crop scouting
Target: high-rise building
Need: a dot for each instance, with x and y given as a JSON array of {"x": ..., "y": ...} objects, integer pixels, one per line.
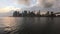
[
  {"x": 15, "y": 14},
  {"x": 52, "y": 14},
  {"x": 25, "y": 13},
  {"x": 38, "y": 14},
  {"x": 47, "y": 14}
]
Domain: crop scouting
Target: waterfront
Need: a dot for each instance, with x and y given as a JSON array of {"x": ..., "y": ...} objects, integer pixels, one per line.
[{"x": 29, "y": 25}]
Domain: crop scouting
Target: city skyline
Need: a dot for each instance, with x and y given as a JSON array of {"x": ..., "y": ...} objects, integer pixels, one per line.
[
  {"x": 7, "y": 6},
  {"x": 26, "y": 13}
]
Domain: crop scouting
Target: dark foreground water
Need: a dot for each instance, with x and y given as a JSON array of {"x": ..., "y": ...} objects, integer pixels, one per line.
[{"x": 29, "y": 25}]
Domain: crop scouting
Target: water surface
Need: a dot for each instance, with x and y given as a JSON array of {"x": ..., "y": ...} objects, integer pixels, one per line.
[{"x": 29, "y": 25}]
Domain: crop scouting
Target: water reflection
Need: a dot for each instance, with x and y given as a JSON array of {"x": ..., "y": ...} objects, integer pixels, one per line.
[
  {"x": 36, "y": 25},
  {"x": 9, "y": 23},
  {"x": 49, "y": 25},
  {"x": 29, "y": 25}
]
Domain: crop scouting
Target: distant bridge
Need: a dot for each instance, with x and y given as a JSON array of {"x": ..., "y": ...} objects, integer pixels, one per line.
[{"x": 57, "y": 13}]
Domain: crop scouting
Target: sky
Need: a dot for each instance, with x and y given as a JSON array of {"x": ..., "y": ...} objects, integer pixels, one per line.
[
  {"x": 51, "y": 5},
  {"x": 7, "y": 5}
]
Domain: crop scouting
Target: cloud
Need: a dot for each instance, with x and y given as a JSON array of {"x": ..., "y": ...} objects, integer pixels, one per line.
[
  {"x": 53, "y": 5},
  {"x": 24, "y": 2},
  {"x": 27, "y": 3},
  {"x": 8, "y": 8}
]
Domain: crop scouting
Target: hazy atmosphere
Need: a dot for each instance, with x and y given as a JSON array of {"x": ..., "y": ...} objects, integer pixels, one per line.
[{"x": 7, "y": 6}]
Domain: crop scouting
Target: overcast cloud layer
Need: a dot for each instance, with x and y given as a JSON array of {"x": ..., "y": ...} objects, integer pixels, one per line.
[{"x": 51, "y": 5}]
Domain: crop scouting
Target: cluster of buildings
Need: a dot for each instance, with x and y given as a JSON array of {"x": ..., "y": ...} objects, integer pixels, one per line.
[{"x": 33, "y": 14}]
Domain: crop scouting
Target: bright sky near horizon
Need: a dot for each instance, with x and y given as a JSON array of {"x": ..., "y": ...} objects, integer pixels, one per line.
[{"x": 7, "y": 5}]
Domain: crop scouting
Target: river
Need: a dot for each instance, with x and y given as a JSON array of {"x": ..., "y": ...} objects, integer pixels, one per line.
[{"x": 29, "y": 25}]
